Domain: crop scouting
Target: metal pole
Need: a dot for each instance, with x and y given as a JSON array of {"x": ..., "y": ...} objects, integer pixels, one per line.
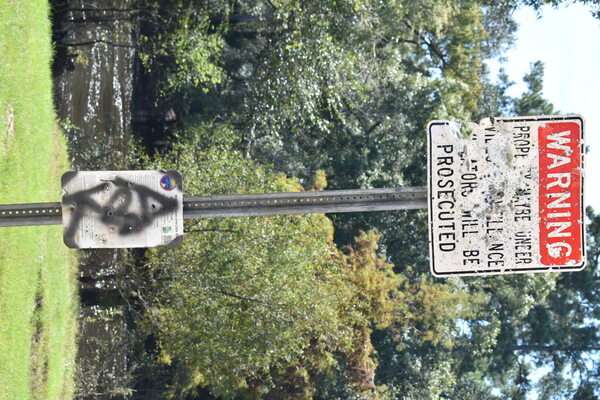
[
  {"x": 30, "y": 214},
  {"x": 329, "y": 201},
  {"x": 244, "y": 205}
]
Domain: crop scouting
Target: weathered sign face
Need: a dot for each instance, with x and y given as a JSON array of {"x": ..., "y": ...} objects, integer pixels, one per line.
[
  {"x": 112, "y": 209},
  {"x": 507, "y": 199}
]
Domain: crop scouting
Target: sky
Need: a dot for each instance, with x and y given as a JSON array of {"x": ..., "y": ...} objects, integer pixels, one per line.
[{"x": 567, "y": 40}]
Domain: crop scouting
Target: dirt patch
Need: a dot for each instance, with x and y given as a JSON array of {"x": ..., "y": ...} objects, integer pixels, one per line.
[
  {"x": 39, "y": 347},
  {"x": 10, "y": 124}
]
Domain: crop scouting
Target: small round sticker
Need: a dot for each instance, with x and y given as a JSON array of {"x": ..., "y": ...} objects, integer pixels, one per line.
[{"x": 167, "y": 183}]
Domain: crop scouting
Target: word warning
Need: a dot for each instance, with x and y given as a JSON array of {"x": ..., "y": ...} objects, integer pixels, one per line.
[{"x": 508, "y": 198}]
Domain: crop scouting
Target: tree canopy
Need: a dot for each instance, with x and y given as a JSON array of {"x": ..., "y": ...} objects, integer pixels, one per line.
[{"x": 338, "y": 93}]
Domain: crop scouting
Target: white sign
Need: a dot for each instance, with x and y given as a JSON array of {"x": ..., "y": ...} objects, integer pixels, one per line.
[
  {"x": 112, "y": 209},
  {"x": 507, "y": 197}
]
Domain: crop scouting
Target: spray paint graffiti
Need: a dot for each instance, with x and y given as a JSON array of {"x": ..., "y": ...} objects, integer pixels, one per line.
[{"x": 122, "y": 209}]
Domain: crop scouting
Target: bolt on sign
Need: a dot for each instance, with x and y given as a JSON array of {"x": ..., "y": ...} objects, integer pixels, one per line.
[
  {"x": 111, "y": 209},
  {"x": 507, "y": 197}
]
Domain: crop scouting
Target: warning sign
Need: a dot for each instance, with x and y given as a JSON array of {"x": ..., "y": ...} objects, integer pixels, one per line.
[
  {"x": 112, "y": 209},
  {"x": 506, "y": 196}
]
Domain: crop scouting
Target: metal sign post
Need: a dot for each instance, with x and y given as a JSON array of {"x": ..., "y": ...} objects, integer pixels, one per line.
[
  {"x": 508, "y": 199},
  {"x": 245, "y": 205},
  {"x": 110, "y": 209}
]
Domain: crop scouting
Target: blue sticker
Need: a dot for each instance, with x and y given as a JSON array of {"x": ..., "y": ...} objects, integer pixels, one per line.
[{"x": 167, "y": 183}]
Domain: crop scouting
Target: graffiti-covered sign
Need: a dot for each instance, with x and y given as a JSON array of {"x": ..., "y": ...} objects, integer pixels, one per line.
[
  {"x": 113, "y": 209},
  {"x": 506, "y": 196}
]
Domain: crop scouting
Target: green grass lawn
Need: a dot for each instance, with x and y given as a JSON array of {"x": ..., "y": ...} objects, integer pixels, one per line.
[{"x": 38, "y": 301}]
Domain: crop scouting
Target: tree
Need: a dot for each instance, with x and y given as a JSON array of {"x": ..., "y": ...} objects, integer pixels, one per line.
[
  {"x": 532, "y": 102},
  {"x": 563, "y": 331},
  {"x": 180, "y": 47},
  {"x": 241, "y": 296}
]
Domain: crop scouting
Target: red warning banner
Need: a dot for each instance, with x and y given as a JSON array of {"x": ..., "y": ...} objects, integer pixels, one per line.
[{"x": 560, "y": 194}]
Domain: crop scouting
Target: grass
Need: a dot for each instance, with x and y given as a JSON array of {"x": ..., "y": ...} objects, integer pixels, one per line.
[{"x": 38, "y": 302}]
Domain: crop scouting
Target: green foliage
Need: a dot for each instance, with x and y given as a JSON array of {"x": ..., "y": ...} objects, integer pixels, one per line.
[
  {"x": 563, "y": 331},
  {"x": 242, "y": 295},
  {"x": 368, "y": 54},
  {"x": 183, "y": 52},
  {"x": 359, "y": 77},
  {"x": 320, "y": 180},
  {"x": 494, "y": 100},
  {"x": 532, "y": 102}
]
